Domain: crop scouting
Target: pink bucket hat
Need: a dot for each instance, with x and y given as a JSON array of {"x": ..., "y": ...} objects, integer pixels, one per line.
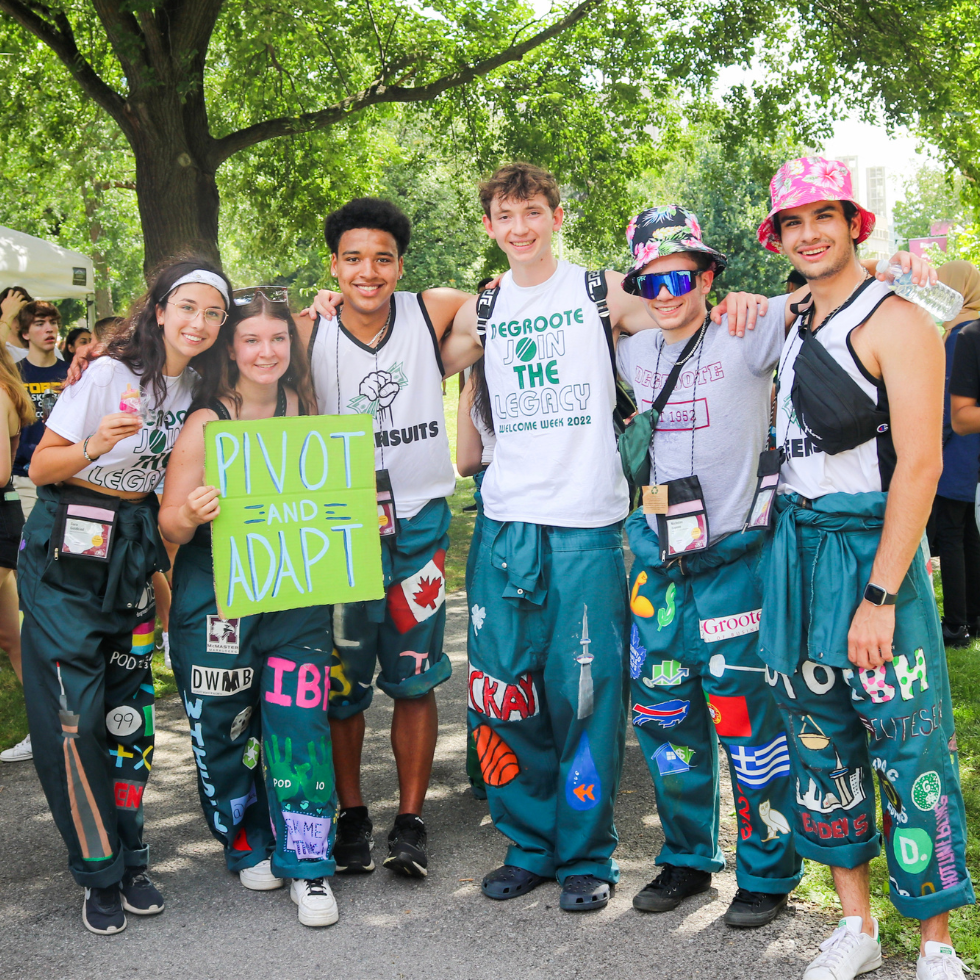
[{"x": 807, "y": 180}]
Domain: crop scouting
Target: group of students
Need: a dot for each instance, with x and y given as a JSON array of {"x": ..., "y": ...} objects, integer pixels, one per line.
[{"x": 778, "y": 602}]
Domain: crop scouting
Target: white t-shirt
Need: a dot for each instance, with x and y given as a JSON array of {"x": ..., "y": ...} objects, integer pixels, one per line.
[
  {"x": 556, "y": 461},
  {"x": 135, "y": 464},
  {"x": 716, "y": 421}
]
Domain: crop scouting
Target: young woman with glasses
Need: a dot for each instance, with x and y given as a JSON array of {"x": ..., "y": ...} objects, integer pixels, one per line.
[{"x": 88, "y": 551}]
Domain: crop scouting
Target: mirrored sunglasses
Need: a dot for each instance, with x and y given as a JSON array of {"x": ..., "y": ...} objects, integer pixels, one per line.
[
  {"x": 274, "y": 294},
  {"x": 648, "y": 286}
]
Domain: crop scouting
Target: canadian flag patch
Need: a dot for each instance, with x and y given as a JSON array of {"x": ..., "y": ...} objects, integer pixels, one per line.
[{"x": 418, "y": 597}]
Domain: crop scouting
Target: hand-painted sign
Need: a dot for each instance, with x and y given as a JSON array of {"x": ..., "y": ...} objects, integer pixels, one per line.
[{"x": 299, "y": 517}]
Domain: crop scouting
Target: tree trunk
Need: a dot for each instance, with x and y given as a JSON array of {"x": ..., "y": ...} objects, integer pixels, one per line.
[
  {"x": 178, "y": 205},
  {"x": 103, "y": 294}
]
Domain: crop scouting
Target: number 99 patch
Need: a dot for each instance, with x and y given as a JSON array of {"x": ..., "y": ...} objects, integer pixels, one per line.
[{"x": 123, "y": 721}]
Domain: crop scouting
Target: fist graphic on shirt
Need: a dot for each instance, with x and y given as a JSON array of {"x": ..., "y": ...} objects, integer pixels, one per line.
[{"x": 380, "y": 387}]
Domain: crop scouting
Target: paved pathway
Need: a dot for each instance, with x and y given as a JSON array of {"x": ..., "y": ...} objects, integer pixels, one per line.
[{"x": 390, "y": 927}]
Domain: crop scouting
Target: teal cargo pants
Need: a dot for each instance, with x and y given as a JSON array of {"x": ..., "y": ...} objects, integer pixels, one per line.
[
  {"x": 403, "y": 633},
  {"x": 547, "y": 691},
  {"x": 851, "y": 728},
  {"x": 87, "y": 644},
  {"x": 257, "y": 688},
  {"x": 696, "y": 680}
]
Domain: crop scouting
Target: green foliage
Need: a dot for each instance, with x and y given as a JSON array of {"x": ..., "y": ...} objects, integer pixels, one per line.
[
  {"x": 725, "y": 181},
  {"x": 930, "y": 195},
  {"x": 68, "y": 173}
]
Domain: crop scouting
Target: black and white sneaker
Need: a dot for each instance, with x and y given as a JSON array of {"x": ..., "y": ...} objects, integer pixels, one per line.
[
  {"x": 102, "y": 911},
  {"x": 139, "y": 894},
  {"x": 353, "y": 843},
  {"x": 406, "y": 846}
]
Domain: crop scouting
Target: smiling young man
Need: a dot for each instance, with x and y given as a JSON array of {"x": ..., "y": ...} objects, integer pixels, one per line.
[
  {"x": 379, "y": 355},
  {"x": 849, "y": 621},
  {"x": 549, "y": 621},
  {"x": 696, "y": 673}
]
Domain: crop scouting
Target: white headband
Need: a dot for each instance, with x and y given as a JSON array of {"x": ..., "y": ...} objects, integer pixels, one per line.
[{"x": 205, "y": 278}]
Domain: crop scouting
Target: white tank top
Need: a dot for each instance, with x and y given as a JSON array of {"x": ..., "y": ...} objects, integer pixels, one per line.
[
  {"x": 487, "y": 436},
  {"x": 552, "y": 393},
  {"x": 805, "y": 469},
  {"x": 400, "y": 384}
]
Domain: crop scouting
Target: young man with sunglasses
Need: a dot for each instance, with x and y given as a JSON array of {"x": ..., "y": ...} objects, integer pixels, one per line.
[
  {"x": 850, "y": 632},
  {"x": 548, "y": 596},
  {"x": 696, "y": 677}
]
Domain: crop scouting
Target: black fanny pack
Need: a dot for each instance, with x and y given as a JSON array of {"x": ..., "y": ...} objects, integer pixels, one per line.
[
  {"x": 84, "y": 524},
  {"x": 833, "y": 409}
]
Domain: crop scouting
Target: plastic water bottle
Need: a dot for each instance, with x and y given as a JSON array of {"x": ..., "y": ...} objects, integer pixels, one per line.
[{"x": 940, "y": 301}]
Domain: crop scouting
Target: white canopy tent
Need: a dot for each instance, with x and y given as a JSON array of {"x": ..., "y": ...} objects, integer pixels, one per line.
[{"x": 47, "y": 271}]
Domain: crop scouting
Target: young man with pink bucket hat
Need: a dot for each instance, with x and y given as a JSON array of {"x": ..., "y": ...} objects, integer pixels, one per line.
[{"x": 850, "y": 632}]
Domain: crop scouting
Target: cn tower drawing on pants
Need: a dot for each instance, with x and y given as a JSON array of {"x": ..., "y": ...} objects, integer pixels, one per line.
[
  {"x": 584, "y": 660},
  {"x": 92, "y": 837}
]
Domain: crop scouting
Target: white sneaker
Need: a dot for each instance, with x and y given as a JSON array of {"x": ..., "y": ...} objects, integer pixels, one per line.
[
  {"x": 21, "y": 752},
  {"x": 317, "y": 906},
  {"x": 259, "y": 878},
  {"x": 939, "y": 963},
  {"x": 847, "y": 953}
]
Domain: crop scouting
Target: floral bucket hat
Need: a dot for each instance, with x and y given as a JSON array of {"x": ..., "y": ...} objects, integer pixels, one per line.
[
  {"x": 663, "y": 231},
  {"x": 807, "y": 180}
]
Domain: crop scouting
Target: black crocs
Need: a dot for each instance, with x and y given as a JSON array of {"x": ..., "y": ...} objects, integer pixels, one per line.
[
  {"x": 584, "y": 893},
  {"x": 510, "y": 881}
]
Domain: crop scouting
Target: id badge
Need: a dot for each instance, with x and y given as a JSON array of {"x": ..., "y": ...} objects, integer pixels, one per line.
[
  {"x": 387, "y": 522},
  {"x": 88, "y": 532},
  {"x": 684, "y": 528},
  {"x": 760, "y": 513}
]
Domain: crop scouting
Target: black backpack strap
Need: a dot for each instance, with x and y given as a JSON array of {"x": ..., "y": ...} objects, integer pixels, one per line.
[
  {"x": 485, "y": 302},
  {"x": 595, "y": 286}
]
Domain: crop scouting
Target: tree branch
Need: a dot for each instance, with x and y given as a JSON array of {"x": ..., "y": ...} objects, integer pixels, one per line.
[
  {"x": 58, "y": 36},
  {"x": 378, "y": 93}
]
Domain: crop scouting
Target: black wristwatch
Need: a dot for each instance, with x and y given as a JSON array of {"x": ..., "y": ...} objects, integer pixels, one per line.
[{"x": 877, "y": 596}]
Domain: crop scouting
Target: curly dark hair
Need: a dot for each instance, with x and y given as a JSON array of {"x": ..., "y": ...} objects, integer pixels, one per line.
[
  {"x": 368, "y": 212},
  {"x": 139, "y": 342},
  {"x": 220, "y": 375}
]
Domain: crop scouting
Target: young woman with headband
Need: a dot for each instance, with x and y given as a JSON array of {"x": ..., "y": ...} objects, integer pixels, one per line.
[
  {"x": 88, "y": 551},
  {"x": 281, "y": 826}
]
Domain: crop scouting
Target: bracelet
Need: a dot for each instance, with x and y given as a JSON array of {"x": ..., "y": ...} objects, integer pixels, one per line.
[{"x": 85, "y": 449}]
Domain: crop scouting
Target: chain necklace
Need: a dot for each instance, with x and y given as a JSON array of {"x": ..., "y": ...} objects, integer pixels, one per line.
[{"x": 376, "y": 339}]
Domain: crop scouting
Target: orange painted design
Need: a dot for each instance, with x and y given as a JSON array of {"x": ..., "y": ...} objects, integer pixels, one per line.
[{"x": 498, "y": 763}]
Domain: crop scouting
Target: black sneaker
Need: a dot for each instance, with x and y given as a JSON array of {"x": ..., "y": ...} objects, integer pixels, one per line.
[
  {"x": 102, "y": 911},
  {"x": 406, "y": 846},
  {"x": 353, "y": 843},
  {"x": 139, "y": 894},
  {"x": 751, "y": 909},
  {"x": 670, "y": 888},
  {"x": 958, "y": 638}
]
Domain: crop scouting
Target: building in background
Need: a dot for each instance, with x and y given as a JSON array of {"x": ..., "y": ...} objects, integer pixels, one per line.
[{"x": 870, "y": 186}]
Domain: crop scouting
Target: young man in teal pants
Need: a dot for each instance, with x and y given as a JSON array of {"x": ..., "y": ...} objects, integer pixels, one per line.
[
  {"x": 849, "y": 621},
  {"x": 694, "y": 664}
]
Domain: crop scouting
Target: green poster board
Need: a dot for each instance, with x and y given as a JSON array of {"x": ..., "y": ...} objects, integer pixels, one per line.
[{"x": 299, "y": 513}]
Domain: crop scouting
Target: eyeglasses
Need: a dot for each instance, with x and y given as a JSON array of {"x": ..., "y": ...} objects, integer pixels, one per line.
[
  {"x": 213, "y": 316},
  {"x": 648, "y": 286},
  {"x": 274, "y": 294}
]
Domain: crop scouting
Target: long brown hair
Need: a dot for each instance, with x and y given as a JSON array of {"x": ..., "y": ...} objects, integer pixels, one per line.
[
  {"x": 12, "y": 383},
  {"x": 220, "y": 375},
  {"x": 139, "y": 342}
]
